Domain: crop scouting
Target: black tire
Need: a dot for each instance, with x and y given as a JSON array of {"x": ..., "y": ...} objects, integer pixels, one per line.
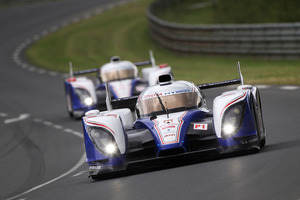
[
  {"x": 259, "y": 127},
  {"x": 95, "y": 177},
  {"x": 263, "y": 143},
  {"x": 69, "y": 106},
  {"x": 263, "y": 140}
]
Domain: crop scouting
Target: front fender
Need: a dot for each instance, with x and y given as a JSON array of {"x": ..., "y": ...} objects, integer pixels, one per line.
[{"x": 226, "y": 101}]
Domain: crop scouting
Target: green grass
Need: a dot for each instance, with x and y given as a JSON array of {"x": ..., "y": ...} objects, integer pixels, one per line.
[{"x": 123, "y": 31}]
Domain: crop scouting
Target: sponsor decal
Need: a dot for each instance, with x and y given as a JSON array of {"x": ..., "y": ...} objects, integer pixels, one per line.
[
  {"x": 176, "y": 92},
  {"x": 169, "y": 129},
  {"x": 200, "y": 126},
  {"x": 95, "y": 167},
  {"x": 149, "y": 96}
]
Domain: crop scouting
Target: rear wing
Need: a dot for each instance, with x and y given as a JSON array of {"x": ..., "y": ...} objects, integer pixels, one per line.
[
  {"x": 224, "y": 83},
  {"x": 219, "y": 84},
  {"x": 132, "y": 100},
  {"x": 87, "y": 71},
  {"x": 148, "y": 62},
  {"x": 93, "y": 70}
]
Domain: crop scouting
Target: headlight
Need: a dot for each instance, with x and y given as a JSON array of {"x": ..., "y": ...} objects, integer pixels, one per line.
[
  {"x": 84, "y": 96},
  {"x": 103, "y": 141},
  {"x": 110, "y": 148},
  {"x": 232, "y": 119},
  {"x": 88, "y": 101}
]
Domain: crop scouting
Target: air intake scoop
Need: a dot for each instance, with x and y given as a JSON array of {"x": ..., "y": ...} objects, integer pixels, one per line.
[{"x": 165, "y": 79}]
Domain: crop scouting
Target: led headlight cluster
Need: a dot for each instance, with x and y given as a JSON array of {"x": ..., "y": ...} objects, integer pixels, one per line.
[
  {"x": 232, "y": 119},
  {"x": 84, "y": 96},
  {"x": 103, "y": 141}
]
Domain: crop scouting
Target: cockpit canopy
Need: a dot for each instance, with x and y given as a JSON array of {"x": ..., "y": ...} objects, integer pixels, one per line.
[
  {"x": 118, "y": 70},
  {"x": 177, "y": 96}
]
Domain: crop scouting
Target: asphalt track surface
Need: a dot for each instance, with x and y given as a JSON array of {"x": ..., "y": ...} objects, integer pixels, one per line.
[{"x": 41, "y": 149}]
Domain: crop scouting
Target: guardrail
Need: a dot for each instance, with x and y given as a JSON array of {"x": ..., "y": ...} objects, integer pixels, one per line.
[{"x": 272, "y": 40}]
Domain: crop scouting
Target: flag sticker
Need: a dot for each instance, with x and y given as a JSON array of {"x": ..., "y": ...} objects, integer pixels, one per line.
[{"x": 200, "y": 126}]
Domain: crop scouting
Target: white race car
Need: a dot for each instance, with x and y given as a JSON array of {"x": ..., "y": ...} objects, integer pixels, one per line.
[
  {"x": 82, "y": 94},
  {"x": 172, "y": 119}
]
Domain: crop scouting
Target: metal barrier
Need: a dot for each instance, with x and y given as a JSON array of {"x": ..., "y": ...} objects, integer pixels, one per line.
[{"x": 272, "y": 40}]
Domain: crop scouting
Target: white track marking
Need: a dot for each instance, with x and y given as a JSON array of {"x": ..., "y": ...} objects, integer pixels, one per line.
[
  {"x": 44, "y": 33},
  {"x": 20, "y": 118},
  {"x": 87, "y": 16},
  {"x": 53, "y": 73},
  {"x": 64, "y": 24},
  {"x": 3, "y": 115},
  {"x": 73, "y": 169},
  {"x": 68, "y": 130},
  {"x": 17, "y": 60},
  {"x": 54, "y": 28},
  {"x": 57, "y": 126},
  {"x": 81, "y": 161},
  {"x": 15, "y": 56},
  {"x": 36, "y": 37},
  {"x": 263, "y": 86},
  {"x": 77, "y": 134},
  {"x": 24, "y": 66},
  {"x": 32, "y": 69},
  {"x": 41, "y": 71},
  {"x": 48, "y": 123},
  {"x": 289, "y": 87},
  {"x": 75, "y": 20},
  {"x": 27, "y": 42},
  {"x": 78, "y": 174},
  {"x": 38, "y": 120}
]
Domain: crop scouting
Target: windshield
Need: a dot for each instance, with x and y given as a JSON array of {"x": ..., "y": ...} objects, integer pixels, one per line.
[
  {"x": 118, "y": 75},
  {"x": 174, "y": 103}
]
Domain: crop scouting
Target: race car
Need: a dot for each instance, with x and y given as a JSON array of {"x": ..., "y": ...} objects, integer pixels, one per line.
[
  {"x": 83, "y": 94},
  {"x": 172, "y": 119}
]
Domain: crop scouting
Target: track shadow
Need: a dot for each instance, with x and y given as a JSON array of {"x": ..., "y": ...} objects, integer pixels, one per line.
[
  {"x": 171, "y": 163},
  {"x": 196, "y": 159}
]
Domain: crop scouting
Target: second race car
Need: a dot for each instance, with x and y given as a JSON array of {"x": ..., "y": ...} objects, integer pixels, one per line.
[{"x": 83, "y": 94}]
